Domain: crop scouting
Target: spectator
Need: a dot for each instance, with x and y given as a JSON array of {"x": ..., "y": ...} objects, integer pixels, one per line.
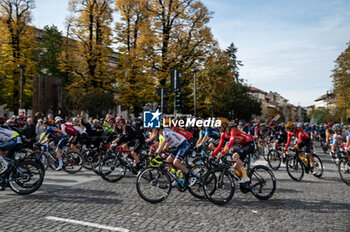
[
  {"x": 29, "y": 133},
  {"x": 39, "y": 129}
]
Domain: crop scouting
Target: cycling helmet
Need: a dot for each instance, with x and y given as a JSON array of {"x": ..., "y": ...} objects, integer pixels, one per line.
[
  {"x": 224, "y": 121},
  {"x": 58, "y": 120},
  {"x": 257, "y": 124},
  {"x": 290, "y": 124},
  {"x": 299, "y": 124},
  {"x": 120, "y": 120},
  {"x": 330, "y": 124},
  {"x": 336, "y": 127},
  {"x": 111, "y": 120}
]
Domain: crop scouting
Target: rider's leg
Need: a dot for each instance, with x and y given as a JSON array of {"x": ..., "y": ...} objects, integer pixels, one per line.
[
  {"x": 135, "y": 156},
  {"x": 169, "y": 162},
  {"x": 178, "y": 163},
  {"x": 239, "y": 165}
]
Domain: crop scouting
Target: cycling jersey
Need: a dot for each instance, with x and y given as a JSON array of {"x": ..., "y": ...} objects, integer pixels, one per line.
[
  {"x": 6, "y": 134},
  {"x": 299, "y": 133},
  {"x": 173, "y": 138},
  {"x": 55, "y": 133},
  {"x": 338, "y": 138},
  {"x": 212, "y": 132},
  {"x": 236, "y": 136}
]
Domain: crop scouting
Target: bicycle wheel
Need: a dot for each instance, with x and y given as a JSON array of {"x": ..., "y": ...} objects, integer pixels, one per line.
[
  {"x": 28, "y": 177},
  {"x": 111, "y": 169},
  {"x": 73, "y": 162},
  {"x": 96, "y": 163},
  {"x": 218, "y": 186},
  {"x": 153, "y": 185},
  {"x": 295, "y": 168},
  {"x": 274, "y": 159},
  {"x": 344, "y": 170},
  {"x": 40, "y": 157},
  {"x": 265, "y": 151},
  {"x": 319, "y": 166},
  {"x": 197, "y": 189},
  {"x": 263, "y": 182},
  {"x": 88, "y": 157}
]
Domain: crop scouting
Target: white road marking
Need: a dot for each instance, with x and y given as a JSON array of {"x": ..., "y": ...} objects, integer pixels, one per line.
[{"x": 87, "y": 224}]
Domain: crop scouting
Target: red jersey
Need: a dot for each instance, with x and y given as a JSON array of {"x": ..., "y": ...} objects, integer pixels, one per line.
[
  {"x": 236, "y": 136},
  {"x": 300, "y": 133}
]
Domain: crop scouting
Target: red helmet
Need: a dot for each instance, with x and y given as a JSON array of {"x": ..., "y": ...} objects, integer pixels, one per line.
[
  {"x": 111, "y": 120},
  {"x": 330, "y": 124},
  {"x": 257, "y": 124},
  {"x": 120, "y": 120}
]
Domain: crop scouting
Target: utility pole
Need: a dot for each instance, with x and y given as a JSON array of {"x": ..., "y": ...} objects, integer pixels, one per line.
[{"x": 22, "y": 67}]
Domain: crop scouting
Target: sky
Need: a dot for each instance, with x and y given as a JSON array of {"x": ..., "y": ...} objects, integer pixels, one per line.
[{"x": 288, "y": 47}]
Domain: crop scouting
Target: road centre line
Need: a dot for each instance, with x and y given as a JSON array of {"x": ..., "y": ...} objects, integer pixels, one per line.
[{"x": 87, "y": 224}]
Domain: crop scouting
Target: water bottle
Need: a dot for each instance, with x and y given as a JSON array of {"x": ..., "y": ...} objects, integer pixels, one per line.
[{"x": 179, "y": 174}]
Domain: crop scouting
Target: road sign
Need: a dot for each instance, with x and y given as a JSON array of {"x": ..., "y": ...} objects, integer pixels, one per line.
[{"x": 175, "y": 80}]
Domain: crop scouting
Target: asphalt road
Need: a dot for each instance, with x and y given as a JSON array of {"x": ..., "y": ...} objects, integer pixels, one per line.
[{"x": 84, "y": 202}]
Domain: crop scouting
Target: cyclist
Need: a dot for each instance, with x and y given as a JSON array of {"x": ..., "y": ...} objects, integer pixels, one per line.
[
  {"x": 131, "y": 134},
  {"x": 234, "y": 135},
  {"x": 59, "y": 139},
  {"x": 338, "y": 138},
  {"x": 212, "y": 135},
  {"x": 181, "y": 147},
  {"x": 303, "y": 141},
  {"x": 9, "y": 140}
]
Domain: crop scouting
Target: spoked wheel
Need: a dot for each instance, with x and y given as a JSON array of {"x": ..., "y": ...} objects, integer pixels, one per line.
[
  {"x": 265, "y": 151},
  {"x": 96, "y": 163},
  {"x": 197, "y": 189},
  {"x": 40, "y": 157},
  {"x": 319, "y": 166},
  {"x": 88, "y": 158},
  {"x": 295, "y": 168},
  {"x": 73, "y": 162},
  {"x": 111, "y": 169},
  {"x": 344, "y": 170},
  {"x": 153, "y": 185},
  {"x": 263, "y": 182},
  {"x": 28, "y": 177},
  {"x": 218, "y": 186},
  {"x": 274, "y": 159}
]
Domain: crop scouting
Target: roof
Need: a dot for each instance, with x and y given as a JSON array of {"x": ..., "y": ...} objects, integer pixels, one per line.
[
  {"x": 324, "y": 96},
  {"x": 256, "y": 90}
]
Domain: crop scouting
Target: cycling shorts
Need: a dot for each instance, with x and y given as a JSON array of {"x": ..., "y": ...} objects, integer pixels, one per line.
[
  {"x": 182, "y": 150},
  {"x": 245, "y": 150},
  {"x": 60, "y": 143},
  {"x": 307, "y": 144}
]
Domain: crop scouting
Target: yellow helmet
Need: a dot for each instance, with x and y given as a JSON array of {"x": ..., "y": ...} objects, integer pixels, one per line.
[
  {"x": 224, "y": 121},
  {"x": 289, "y": 124}
]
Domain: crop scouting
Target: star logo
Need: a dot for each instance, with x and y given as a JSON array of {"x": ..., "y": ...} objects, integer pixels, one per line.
[{"x": 151, "y": 119}]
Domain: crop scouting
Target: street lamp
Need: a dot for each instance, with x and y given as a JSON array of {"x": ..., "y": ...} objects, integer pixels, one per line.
[
  {"x": 195, "y": 91},
  {"x": 22, "y": 67}
]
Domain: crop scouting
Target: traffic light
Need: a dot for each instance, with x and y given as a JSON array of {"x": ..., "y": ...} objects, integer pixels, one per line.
[{"x": 178, "y": 101}]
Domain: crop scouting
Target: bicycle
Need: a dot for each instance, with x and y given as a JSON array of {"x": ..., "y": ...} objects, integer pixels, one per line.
[
  {"x": 72, "y": 161},
  {"x": 344, "y": 167},
  {"x": 298, "y": 163},
  {"x": 157, "y": 180},
  {"x": 275, "y": 157},
  {"x": 24, "y": 176},
  {"x": 113, "y": 167},
  {"x": 219, "y": 186}
]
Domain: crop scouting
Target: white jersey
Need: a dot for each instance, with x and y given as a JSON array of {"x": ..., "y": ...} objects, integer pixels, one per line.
[
  {"x": 6, "y": 134},
  {"x": 81, "y": 131},
  {"x": 172, "y": 138}
]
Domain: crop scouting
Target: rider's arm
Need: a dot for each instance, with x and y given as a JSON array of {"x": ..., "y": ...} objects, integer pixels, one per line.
[
  {"x": 221, "y": 144},
  {"x": 230, "y": 144},
  {"x": 161, "y": 147},
  {"x": 288, "y": 141}
]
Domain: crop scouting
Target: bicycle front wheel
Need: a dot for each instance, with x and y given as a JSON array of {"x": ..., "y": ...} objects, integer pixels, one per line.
[
  {"x": 344, "y": 170},
  {"x": 28, "y": 177},
  {"x": 263, "y": 182},
  {"x": 153, "y": 185},
  {"x": 218, "y": 186},
  {"x": 319, "y": 166},
  {"x": 295, "y": 168},
  {"x": 274, "y": 159},
  {"x": 73, "y": 162},
  {"x": 197, "y": 189},
  {"x": 111, "y": 169}
]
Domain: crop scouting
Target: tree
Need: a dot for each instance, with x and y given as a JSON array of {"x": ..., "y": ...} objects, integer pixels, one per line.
[
  {"x": 52, "y": 45},
  {"x": 89, "y": 58},
  {"x": 341, "y": 82},
  {"x": 17, "y": 46},
  {"x": 233, "y": 62}
]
